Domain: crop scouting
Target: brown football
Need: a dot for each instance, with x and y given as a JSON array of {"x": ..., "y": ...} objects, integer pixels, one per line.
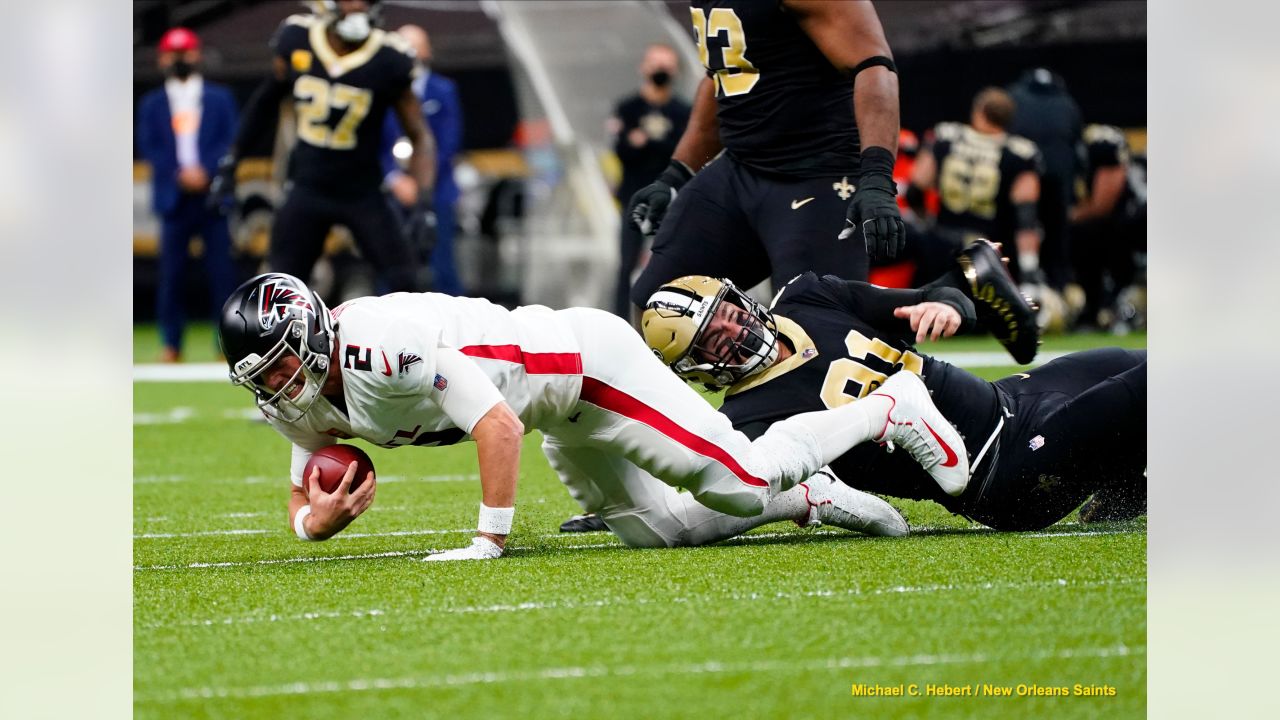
[{"x": 333, "y": 462}]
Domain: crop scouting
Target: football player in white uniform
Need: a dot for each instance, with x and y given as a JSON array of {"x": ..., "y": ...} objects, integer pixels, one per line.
[{"x": 622, "y": 431}]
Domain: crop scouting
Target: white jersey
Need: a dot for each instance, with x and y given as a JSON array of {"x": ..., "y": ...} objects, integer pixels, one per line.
[{"x": 398, "y": 388}]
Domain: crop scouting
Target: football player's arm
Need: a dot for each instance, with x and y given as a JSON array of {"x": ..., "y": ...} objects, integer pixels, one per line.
[
  {"x": 261, "y": 110},
  {"x": 925, "y": 312},
  {"x": 1104, "y": 193},
  {"x": 474, "y": 404},
  {"x": 422, "y": 162},
  {"x": 701, "y": 139},
  {"x": 1025, "y": 196},
  {"x": 849, "y": 34},
  {"x": 924, "y": 177}
]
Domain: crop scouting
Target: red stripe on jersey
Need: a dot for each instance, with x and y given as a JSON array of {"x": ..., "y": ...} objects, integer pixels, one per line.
[
  {"x": 534, "y": 363},
  {"x": 614, "y": 400}
]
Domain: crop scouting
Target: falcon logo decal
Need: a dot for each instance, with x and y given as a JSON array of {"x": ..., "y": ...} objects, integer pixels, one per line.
[
  {"x": 275, "y": 301},
  {"x": 405, "y": 361}
]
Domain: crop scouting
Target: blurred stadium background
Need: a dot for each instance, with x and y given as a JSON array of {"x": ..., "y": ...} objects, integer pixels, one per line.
[{"x": 537, "y": 81}]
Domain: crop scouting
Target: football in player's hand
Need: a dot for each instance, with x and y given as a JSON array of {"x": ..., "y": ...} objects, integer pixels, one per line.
[{"x": 333, "y": 461}]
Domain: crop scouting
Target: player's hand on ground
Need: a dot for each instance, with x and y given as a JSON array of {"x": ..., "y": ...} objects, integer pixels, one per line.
[
  {"x": 874, "y": 209},
  {"x": 930, "y": 319},
  {"x": 481, "y": 548},
  {"x": 648, "y": 206},
  {"x": 331, "y": 512}
]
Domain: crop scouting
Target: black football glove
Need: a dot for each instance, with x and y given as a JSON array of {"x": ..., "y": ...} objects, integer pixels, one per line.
[
  {"x": 649, "y": 205},
  {"x": 222, "y": 189},
  {"x": 874, "y": 206},
  {"x": 420, "y": 226}
]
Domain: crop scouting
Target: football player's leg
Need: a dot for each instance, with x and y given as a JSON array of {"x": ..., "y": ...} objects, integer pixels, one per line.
[
  {"x": 1083, "y": 428},
  {"x": 646, "y": 512},
  {"x": 643, "y": 411},
  {"x": 298, "y": 231},
  {"x": 799, "y": 224},
  {"x": 378, "y": 235},
  {"x": 705, "y": 232},
  {"x": 218, "y": 266}
]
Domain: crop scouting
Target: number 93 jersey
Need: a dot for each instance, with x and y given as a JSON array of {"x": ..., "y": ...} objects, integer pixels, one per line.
[
  {"x": 339, "y": 102},
  {"x": 783, "y": 107}
]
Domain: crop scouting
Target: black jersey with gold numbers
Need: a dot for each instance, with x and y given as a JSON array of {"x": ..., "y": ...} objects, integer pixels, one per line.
[
  {"x": 847, "y": 342},
  {"x": 339, "y": 103},
  {"x": 783, "y": 107},
  {"x": 976, "y": 172}
]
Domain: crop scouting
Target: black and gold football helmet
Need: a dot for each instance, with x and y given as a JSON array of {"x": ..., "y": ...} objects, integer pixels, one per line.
[{"x": 676, "y": 323}]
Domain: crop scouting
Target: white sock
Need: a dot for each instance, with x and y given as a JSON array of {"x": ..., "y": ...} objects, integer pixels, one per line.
[
  {"x": 704, "y": 525},
  {"x": 799, "y": 446}
]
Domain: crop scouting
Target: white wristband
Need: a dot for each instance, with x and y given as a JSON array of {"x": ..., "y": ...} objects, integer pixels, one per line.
[
  {"x": 495, "y": 521},
  {"x": 299, "y": 526}
]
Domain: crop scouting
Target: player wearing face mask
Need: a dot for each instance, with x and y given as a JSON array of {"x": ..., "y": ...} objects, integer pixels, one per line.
[{"x": 645, "y": 127}]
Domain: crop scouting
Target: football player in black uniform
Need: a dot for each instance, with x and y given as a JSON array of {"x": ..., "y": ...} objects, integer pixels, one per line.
[
  {"x": 1040, "y": 442},
  {"x": 802, "y": 97},
  {"x": 1108, "y": 229},
  {"x": 342, "y": 74},
  {"x": 988, "y": 182}
]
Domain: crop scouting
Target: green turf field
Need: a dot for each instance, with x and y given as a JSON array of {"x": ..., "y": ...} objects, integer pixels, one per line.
[{"x": 235, "y": 618}]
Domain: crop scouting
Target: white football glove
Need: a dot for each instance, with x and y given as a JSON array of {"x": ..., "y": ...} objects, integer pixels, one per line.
[{"x": 481, "y": 549}]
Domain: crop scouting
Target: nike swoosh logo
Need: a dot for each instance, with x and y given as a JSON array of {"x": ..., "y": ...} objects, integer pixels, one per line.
[
  {"x": 952, "y": 458},
  {"x": 386, "y": 372},
  {"x": 797, "y": 204},
  {"x": 1024, "y": 376}
]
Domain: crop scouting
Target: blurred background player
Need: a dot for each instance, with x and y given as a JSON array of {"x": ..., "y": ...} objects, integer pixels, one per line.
[
  {"x": 1108, "y": 236},
  {"x": 1046, "y": 114},
  {"x": 988, "y": 182},
  {"x": 342, "y": 74},
  {"x": 645, "y": 127},
  {"x": 183, "y": 128},
  {"x": 438, "y": 97},
  {"x": 802, "y": 96}
]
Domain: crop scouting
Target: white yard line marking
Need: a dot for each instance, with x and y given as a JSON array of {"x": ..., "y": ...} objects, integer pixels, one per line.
[
  {"x": 285, "y": 531},
  {"x": 286, "y": 561},
  {"x": 704, "y": 598},
  {"x": 169, "y": 417},
  {"x": 596, "y": 671}
]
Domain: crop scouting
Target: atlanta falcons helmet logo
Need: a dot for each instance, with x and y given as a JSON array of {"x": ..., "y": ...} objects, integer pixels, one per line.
[{"x": 274, "y": 301}]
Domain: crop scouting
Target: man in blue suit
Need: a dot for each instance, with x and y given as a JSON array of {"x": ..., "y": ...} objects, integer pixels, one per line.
[
  {"x": 183, "y": 128},
  {"x": 443, "y": 113}
]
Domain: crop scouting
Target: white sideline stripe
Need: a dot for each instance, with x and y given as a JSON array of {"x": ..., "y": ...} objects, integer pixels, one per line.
[
  {"x": 597, "y": 671},
  {"x": 240, "y": 515},
  {"x": 217, "y": 372},
  {"x": 714, "y": 597}
]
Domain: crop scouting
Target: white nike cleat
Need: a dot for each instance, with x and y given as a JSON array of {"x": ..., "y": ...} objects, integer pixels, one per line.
[
  {"x": 915, "y": 423},
  {"x": 831, "y": 502}
]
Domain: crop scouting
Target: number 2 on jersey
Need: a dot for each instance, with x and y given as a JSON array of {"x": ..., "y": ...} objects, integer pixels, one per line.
[
  {"x": 736, "y": 75},
  {"x": 316, "y": 98},
  {"x": 857, "y": 369}
]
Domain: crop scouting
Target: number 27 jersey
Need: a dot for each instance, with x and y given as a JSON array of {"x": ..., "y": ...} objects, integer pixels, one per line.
[{"x": 339, "y": 102}]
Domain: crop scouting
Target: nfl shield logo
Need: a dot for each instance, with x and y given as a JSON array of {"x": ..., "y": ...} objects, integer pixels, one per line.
[
  {"x": 441, "y": 383},
  {"x": 1037, "y": 442}
]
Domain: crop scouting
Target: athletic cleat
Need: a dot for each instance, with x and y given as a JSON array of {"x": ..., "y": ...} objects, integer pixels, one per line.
[
  {"x": 1006, "y": 313},
  {"x": 831, "y": 502},
  {"x": 589, "y": 522},
  {"x": 915, "y": 423}
]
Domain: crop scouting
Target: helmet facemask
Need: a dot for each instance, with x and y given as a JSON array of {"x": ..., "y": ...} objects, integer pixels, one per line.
[{"x": 252, "y": 373}]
